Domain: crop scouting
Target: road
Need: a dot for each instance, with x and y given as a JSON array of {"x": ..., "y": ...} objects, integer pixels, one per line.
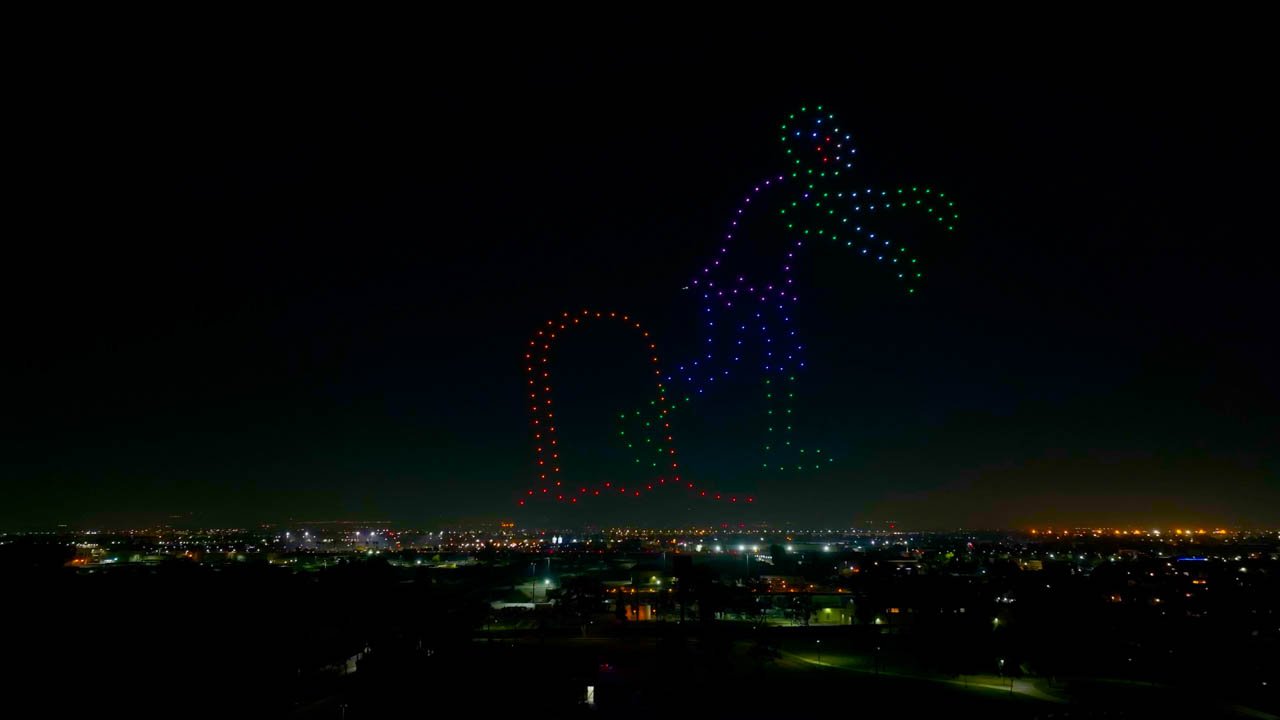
[{"x": 866, "y": 666}]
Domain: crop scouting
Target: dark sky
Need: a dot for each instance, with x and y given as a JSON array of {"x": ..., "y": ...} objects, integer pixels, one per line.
[{"x": 257, "y": 280}]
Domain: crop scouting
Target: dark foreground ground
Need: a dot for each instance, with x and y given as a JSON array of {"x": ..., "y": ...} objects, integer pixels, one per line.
[
  {"x": 640, "y": 671},
  {"x": 365, "y": 641},
  {"x": 657, "y": 672}
]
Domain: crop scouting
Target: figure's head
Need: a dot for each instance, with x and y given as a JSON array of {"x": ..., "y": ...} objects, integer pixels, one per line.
[{"x": 814, "y": 144}]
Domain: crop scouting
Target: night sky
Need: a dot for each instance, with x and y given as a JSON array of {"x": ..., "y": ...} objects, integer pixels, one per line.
[{"x": 262, "y": 282}]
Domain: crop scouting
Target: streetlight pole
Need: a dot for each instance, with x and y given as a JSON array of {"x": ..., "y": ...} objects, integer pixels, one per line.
[{"x": 819, "y": 652}]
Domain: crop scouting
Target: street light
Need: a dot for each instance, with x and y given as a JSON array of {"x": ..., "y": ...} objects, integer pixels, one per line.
[{"x": 819, "y": 652}]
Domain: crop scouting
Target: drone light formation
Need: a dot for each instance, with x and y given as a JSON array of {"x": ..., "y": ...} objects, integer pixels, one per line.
[
  {"x": 748, "y": 321},
  {"x": 658, "y": 436}
]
